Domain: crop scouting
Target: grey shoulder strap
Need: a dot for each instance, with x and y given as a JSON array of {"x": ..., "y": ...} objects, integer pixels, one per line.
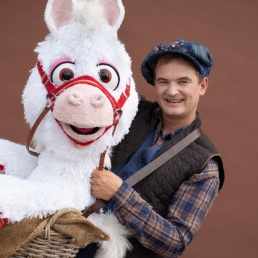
[
  {"x": 150, "y": 168},
  {"x": 163, "y": 158}
]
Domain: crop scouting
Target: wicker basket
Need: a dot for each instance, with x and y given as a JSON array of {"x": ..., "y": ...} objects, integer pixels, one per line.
[{"x": 49, "y": 243}]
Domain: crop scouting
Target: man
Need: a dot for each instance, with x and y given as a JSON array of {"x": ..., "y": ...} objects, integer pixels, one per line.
[{"x": 164, "y": 210}]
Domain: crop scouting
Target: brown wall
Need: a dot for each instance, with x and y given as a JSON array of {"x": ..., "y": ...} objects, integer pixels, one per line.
[{"x": 229, "y": 29}]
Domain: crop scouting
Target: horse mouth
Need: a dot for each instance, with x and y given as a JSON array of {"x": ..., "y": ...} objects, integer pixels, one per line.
[{"x": 84, "y": 131}]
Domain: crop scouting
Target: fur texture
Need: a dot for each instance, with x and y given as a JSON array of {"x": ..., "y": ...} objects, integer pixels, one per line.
[{"x": 79, "y": 125}]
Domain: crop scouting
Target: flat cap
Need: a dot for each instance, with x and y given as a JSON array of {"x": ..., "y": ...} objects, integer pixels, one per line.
[{"x": 199, "y": 55}]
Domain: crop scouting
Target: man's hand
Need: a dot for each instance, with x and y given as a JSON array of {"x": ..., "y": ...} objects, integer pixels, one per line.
[{"x": 104, "y": 184}]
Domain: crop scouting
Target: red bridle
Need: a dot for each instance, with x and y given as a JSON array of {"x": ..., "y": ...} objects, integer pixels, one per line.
[{"x": 53, "y": 92}]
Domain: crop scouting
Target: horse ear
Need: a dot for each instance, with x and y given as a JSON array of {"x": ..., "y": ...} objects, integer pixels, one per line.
[
  {"x": 58, "y": 13},
  {"x": 114, "y": 11}
]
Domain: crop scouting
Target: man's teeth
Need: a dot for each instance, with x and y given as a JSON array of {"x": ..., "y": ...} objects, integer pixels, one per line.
[{"x": 174, "y": 101}]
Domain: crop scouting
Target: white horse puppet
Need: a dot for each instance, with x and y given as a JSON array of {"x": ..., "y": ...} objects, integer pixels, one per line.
[{"x": 80, "y": 100}]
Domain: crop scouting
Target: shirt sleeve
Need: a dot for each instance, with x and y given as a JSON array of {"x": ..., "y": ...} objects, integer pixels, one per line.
[{"x": 189, "y": 206}]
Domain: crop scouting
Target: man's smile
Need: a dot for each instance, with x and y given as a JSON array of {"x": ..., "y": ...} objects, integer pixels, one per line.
[{"x": 174, "y": 100}]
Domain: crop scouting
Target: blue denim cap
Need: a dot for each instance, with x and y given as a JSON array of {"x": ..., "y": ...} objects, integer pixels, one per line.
[{"x": 199, "y": 55}]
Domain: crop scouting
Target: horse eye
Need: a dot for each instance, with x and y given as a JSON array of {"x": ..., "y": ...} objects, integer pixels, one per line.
[
  {"x": 109, "y": 76},
  {"x": 105, "y": 75},
  {"x": 62, "y": 73}
]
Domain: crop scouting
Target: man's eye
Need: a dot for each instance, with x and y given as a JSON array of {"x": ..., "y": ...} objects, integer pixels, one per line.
[
  {"x": 183, "y": 82},
  {"x": 162, "y": 82}
]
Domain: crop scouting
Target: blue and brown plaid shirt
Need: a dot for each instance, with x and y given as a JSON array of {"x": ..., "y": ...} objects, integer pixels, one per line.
[{"x": 189, "y": 206}]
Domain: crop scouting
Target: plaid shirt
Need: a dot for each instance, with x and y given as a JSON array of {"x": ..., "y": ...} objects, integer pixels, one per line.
[{"x": 189, "y": 206}]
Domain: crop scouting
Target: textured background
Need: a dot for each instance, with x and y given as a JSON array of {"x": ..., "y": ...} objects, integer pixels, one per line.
[{"x": 228, "y": 110}]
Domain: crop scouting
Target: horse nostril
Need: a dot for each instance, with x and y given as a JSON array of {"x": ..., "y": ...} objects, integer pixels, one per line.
[
  {"x": 75, "y": 98},
  {"x": 97, "y": 100}
]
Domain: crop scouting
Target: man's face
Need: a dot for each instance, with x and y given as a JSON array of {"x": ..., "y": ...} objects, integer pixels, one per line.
[{"x": 178, "y": 88}]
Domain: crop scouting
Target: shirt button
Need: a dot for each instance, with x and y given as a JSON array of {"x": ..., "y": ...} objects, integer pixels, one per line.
[{"x": 140, "y": 159}]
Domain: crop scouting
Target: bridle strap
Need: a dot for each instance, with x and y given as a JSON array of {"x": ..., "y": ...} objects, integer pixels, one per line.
[
  {"x": 33, "y": 130},
  {"x": 45, "y": 79},
  {"x": 124, "y": 96}
]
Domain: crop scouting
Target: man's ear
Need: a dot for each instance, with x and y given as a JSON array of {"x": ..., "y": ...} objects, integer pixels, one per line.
[{"x": 204, "y": 85}]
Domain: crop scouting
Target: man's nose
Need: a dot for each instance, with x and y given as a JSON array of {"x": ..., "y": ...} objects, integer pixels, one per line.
[{"x": 172, "y": 89}]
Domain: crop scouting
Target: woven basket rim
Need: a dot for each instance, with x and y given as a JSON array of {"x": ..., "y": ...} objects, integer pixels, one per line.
[{"x": 50, "y": 243}]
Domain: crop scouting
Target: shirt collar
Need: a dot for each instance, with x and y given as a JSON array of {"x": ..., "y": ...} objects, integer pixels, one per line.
[{"x": 159, "y": 134}]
